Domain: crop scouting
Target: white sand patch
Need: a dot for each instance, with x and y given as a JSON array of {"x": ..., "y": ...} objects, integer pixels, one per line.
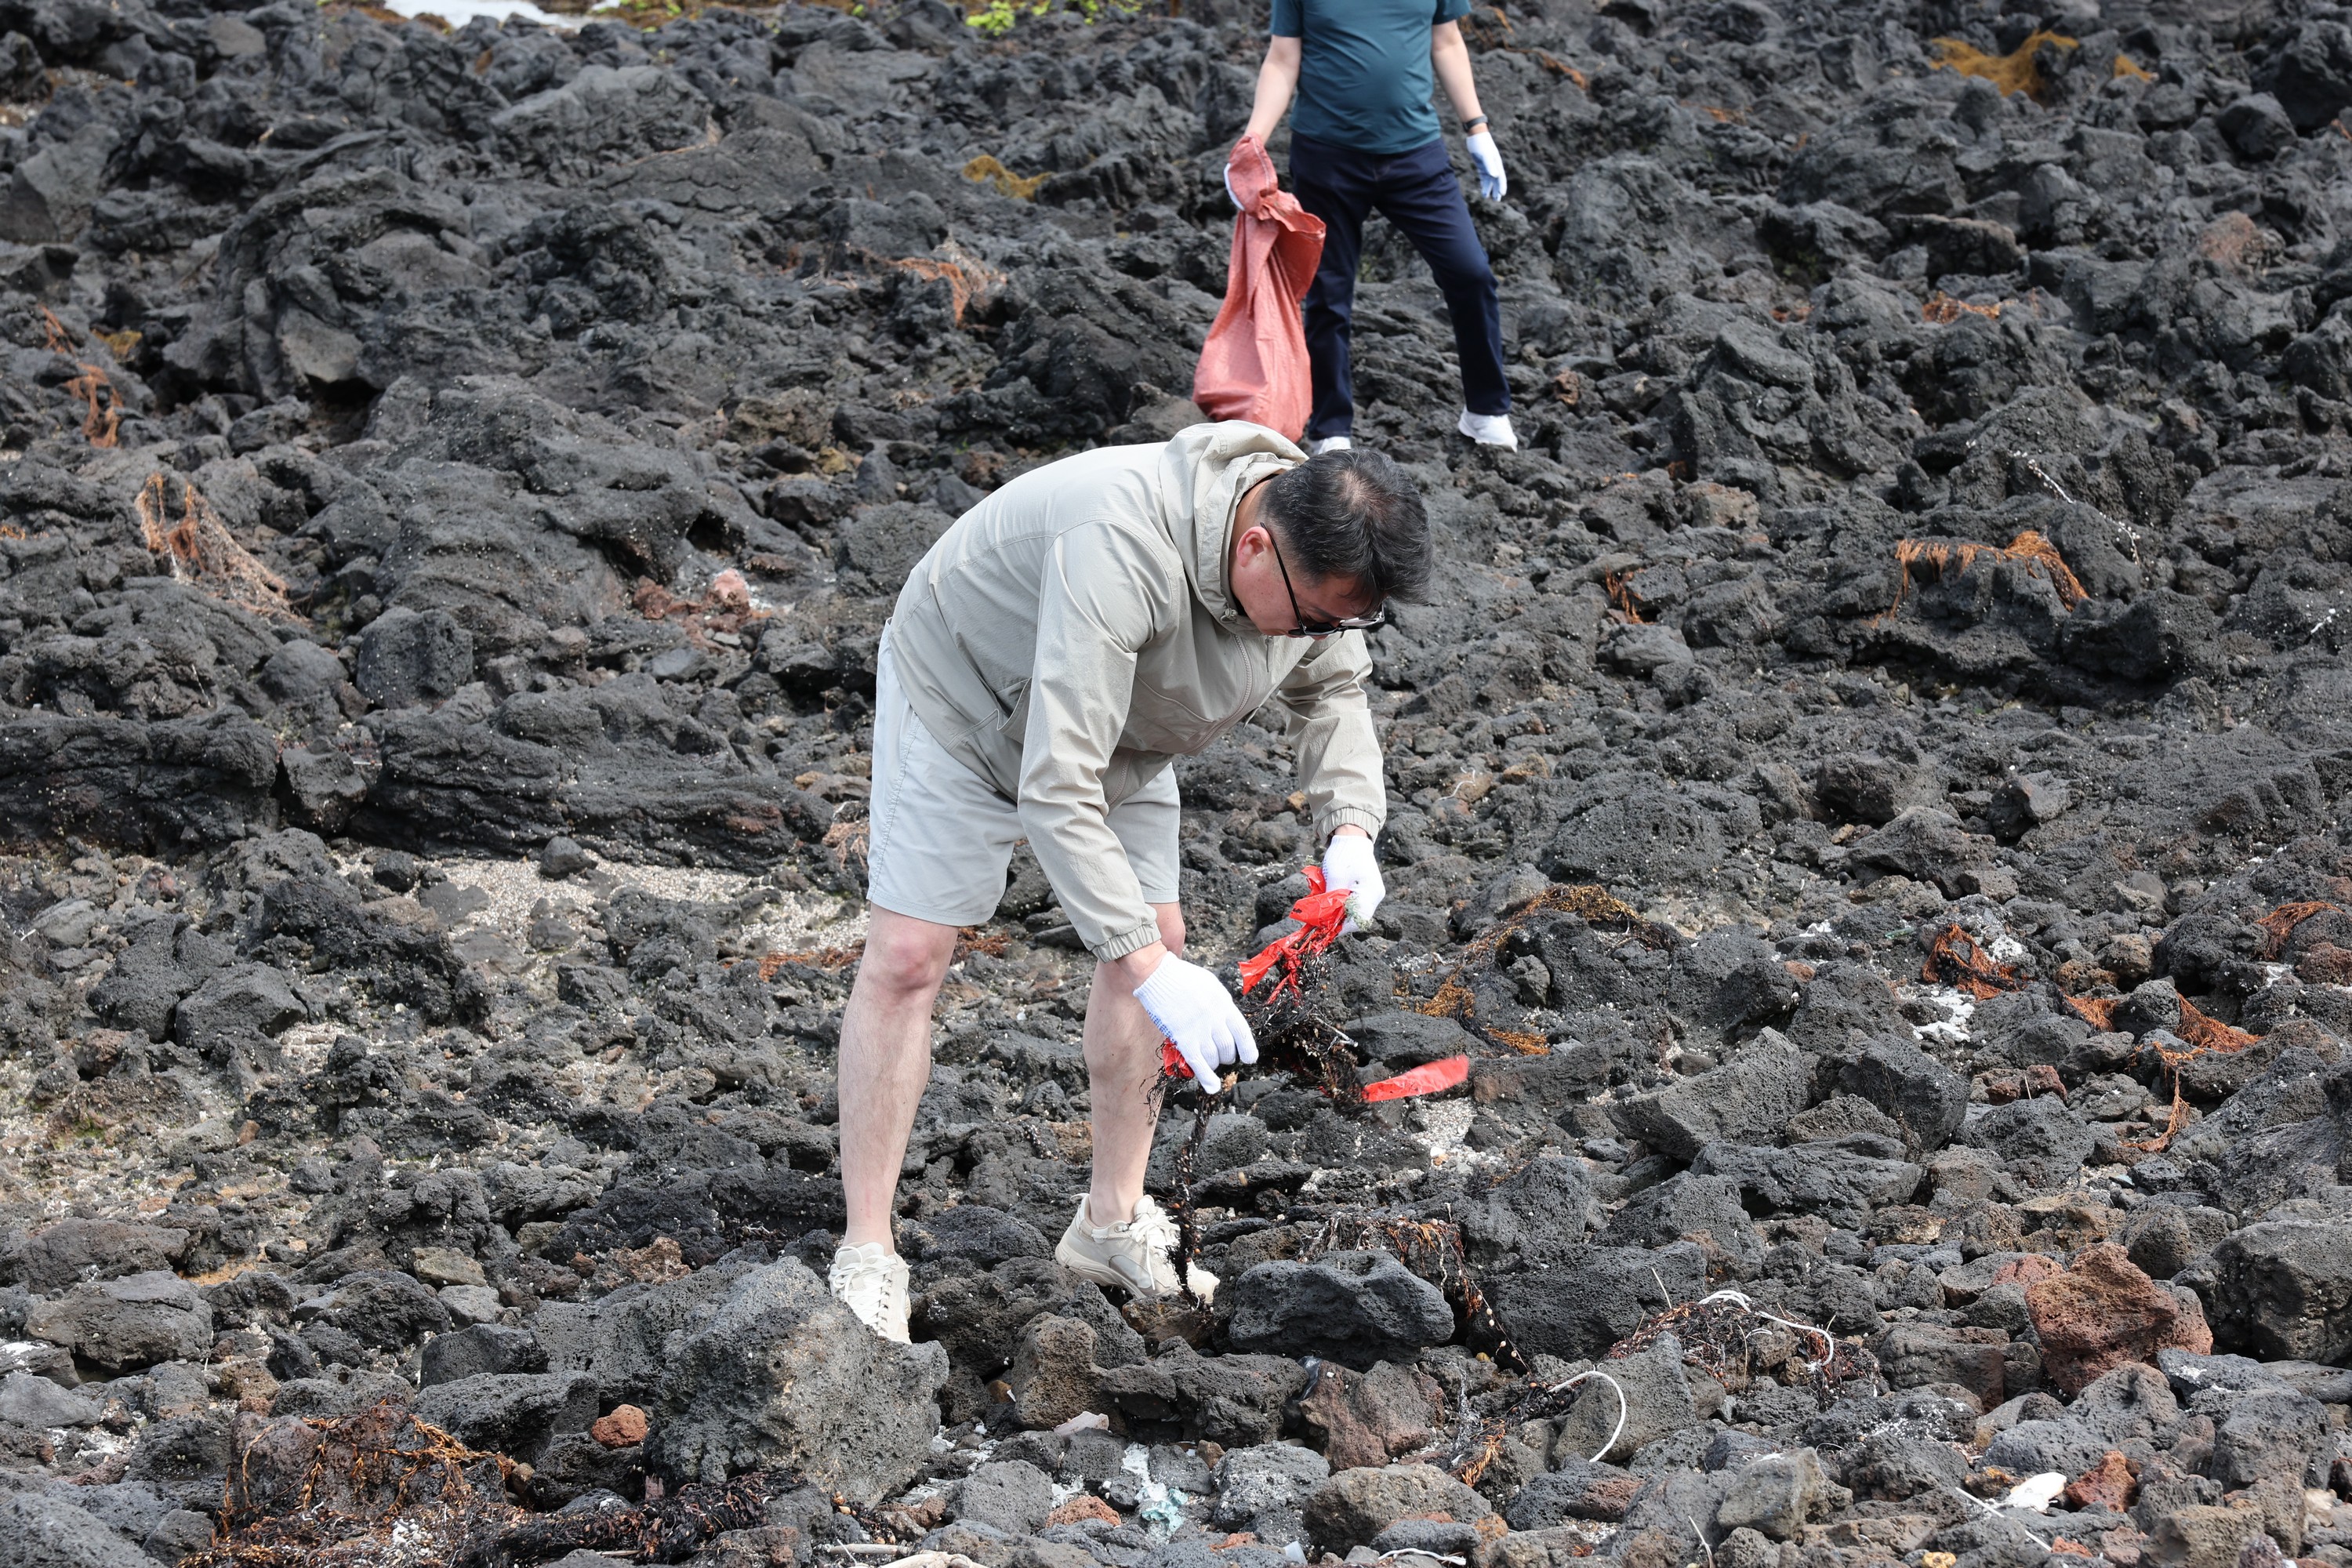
[
  {"x": 306, "y": 1045},
  {"x": 789, "y": 922},
  {"x": 1444, "y": 1127}
]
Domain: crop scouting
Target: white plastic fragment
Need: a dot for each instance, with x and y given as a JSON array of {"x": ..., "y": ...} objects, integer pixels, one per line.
[
  {"x": 2036, "y": 1492},
  {"x": 1202, "y": 1283}
]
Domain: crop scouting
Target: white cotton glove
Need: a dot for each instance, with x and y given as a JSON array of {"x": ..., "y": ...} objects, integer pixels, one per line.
[
  {"x": 1197, "y": 1014},
  {"x": 1489, "y": 159},
  {"x": 1350, "y": 864}
]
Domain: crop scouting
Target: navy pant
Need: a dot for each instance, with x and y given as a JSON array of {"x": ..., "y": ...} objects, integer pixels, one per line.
[{"x": 1418, "y": 192}]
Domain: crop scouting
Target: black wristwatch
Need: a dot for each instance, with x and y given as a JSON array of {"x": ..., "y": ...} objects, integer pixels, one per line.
[{"x": 1471, "y": 125}]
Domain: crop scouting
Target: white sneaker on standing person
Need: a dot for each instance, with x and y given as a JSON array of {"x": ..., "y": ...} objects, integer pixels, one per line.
[{"x": 1488, "y": 429}]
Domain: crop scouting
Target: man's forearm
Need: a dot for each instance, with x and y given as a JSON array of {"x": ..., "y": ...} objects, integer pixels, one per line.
[{"x": 1329, "y": 720}]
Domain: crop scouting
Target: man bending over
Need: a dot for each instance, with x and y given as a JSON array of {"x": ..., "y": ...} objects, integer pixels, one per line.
[{"x": 1052, "y": 655}]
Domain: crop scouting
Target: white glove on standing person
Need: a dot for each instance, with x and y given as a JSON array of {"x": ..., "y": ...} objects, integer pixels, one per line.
[
  {"x": 1350, "y": 864},
  {"x": 1197, "y": 1014},
  {"x": 1483, "y": 151}
]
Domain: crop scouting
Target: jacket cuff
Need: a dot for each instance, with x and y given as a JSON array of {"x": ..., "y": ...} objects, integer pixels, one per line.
[
  {"x": 1120, "y": 945},
  {"x": 1340, "y": 817}
]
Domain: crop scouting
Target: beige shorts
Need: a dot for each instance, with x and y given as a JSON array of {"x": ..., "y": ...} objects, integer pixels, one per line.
[{"x": 939, "y": 841}]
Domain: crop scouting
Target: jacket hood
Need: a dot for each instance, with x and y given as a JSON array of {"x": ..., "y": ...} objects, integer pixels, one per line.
[{"x": 1203, "y": 474}]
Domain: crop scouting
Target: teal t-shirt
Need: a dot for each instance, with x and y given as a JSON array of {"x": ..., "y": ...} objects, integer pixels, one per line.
[{"x": 1364, "y": 77}]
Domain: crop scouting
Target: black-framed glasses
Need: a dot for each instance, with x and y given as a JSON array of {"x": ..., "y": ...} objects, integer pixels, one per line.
[{"x": 1307, "y": 629}]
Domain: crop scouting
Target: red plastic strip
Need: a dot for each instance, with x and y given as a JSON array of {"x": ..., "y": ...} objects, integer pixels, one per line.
[{"x": 1428, "y": 1078}]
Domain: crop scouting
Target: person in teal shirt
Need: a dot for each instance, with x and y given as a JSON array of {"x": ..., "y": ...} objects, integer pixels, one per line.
[{"x": 1364, "y": 137}]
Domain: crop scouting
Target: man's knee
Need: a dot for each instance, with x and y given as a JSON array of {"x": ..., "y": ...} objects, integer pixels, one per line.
[
  {"x": 1463, "y": 270},
  {"x": 906, "y": 957},
  {"x": 1330, "y": 301},
  {"x": 1456, "y": 260}
]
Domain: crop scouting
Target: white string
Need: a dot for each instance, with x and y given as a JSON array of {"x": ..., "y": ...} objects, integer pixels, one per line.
[
  {"x": 1997, "y": 1512},
  {"x": 2131, "y": 534},
  {"x": 1829, "y": 1345},
  {"x": 1623, "y": 1409}
]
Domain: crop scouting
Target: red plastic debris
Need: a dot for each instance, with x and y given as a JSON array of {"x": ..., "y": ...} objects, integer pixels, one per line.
[
  {"x": 1430, "y": 1078},
  {"x": 1320, "y": 915}
]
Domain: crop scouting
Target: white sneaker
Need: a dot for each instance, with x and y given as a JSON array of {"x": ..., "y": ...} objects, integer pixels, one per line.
[
  {"x": 1490, "y": 429},
  {"x": 1139, "y": 1257},
  {"x": 1329, "y": 443},
  {"x": 871, "y": 1281}
]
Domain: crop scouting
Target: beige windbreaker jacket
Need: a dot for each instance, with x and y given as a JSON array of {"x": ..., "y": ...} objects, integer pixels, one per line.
[{"x": 1074, "y": 632}]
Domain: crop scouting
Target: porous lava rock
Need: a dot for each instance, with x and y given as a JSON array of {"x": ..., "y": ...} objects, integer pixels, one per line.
[
  {"x": 782, "y": 1376},
  {"x": 1355, "y": 1308},
  {"x": 2102, "y": 1313}
]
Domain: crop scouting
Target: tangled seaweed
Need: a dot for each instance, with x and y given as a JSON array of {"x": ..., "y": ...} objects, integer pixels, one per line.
[
  {"x": 1290, "y": 1019},
  {"x": 665, "y": 1530},
  {"x": 2199, "y": 1029},
  {"x": 203, "y": 551},
  {"x": 1941, "y": 310},
  {"x": 2014, "y": 72},
  {"x": 1717, "y": 1333},
  {"x": 2278, "y": 927},
  {"x": 378, "y": 1487},
  {"x": 1958, "y": 960},
  {"x": 102, "y": 421},
  {"x": 1431, "y": 1249},
  {"x": 986, "y": 170},
  {"x": 2028, "y": 549},
  {"x": 384, "y": 1490},
  {"x": 969, "y": 279},
  {"x": 1295, "y": 1034}
]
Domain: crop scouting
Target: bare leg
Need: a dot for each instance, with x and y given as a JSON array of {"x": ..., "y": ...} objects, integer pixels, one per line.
[
  {"x": 886, "y": 1060},
  {"x": 1122, "y": 1048}
]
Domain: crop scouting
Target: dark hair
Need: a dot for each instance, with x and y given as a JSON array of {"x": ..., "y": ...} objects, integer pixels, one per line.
[{"x": 1355, "y": 515}]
